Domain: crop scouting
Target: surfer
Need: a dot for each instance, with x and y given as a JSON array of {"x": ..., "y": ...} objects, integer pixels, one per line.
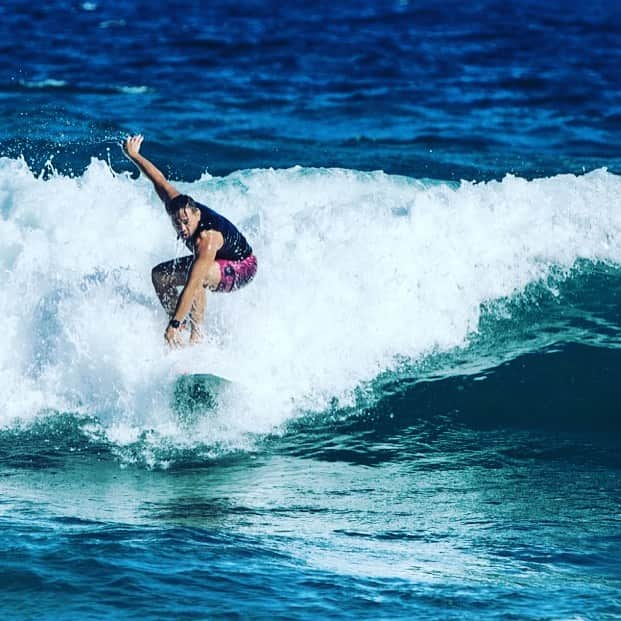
[{"x": 221, "y": 260}]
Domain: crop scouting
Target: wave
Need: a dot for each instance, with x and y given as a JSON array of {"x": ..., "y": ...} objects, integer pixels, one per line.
[
  {"x": 360, "y": 274},
  {"x": 557, "y": 404}
]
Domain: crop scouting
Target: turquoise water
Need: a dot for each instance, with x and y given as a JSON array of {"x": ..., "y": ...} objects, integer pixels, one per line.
[{"x": 424, "y": 517}]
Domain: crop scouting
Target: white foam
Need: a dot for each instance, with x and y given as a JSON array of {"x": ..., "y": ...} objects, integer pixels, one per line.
[
  {"x": 134, "y": 90},
  {"x": 354, "y": 270},
  {"x": 48, "y": 83}
]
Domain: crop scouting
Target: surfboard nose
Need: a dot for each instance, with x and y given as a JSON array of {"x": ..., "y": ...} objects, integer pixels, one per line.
[{"x": 197, "y": 393}]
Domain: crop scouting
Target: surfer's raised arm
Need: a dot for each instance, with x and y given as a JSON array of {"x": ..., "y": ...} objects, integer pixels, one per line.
[{"x": 164, "y": 189}]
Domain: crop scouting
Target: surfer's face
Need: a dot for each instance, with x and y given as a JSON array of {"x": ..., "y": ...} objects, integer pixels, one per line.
[{"x": 186, "y": 222}]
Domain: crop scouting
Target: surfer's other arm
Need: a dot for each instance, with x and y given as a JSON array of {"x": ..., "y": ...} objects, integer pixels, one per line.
[
  {"x": 164, "y": 189},
  {"x": 205, "y": 272}
]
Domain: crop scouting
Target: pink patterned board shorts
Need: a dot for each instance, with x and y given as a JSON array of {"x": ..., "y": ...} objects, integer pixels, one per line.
[{"x": 236, "y": 274}]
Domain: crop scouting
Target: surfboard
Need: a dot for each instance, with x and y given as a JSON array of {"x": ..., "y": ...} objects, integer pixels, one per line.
[{"x": 194, "y": 393}]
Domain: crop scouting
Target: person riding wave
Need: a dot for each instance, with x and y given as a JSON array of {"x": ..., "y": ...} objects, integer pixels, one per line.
[{"x": 222, "y": 258}]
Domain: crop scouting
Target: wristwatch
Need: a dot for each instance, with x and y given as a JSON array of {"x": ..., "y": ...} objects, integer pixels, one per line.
[{"x": 174, "y": 323}]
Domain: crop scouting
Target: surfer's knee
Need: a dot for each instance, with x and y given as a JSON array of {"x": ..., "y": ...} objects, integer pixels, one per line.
[{"x": 212, "y": 277}]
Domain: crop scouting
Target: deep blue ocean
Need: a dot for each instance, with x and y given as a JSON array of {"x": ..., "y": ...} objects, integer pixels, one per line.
[{"x": 424, "y": 418}]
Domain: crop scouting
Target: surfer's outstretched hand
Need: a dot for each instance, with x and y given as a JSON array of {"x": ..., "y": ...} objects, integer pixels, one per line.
[
  {"x": 173, "y": 338},
  {"x": 131, "y": 146}
]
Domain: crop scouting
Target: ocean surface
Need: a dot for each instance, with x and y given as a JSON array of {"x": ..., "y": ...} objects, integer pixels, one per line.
[{"x": 424, "y": 419}]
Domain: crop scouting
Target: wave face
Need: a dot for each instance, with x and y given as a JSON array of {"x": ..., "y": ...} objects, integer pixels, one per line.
[{"x": 366, "y": 281}]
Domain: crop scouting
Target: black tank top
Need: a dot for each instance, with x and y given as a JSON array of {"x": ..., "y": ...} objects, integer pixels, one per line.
[{"x": 235, "y": 247}]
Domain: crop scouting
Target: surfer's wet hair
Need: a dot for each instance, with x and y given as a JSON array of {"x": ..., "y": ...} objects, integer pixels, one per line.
[{"x": 180, "y": 202}]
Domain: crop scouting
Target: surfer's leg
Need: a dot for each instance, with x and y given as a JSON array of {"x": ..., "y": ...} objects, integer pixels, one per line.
[
  {"x": 197, "y": 315},
  {"x": 167, "y": 277},
  {"x": 213, "y": 277}
]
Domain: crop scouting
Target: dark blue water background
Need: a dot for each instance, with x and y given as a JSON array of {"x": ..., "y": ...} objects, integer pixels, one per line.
[
  {"x": 452, "y": 493},
  {"x": 442, "y": 90}
]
